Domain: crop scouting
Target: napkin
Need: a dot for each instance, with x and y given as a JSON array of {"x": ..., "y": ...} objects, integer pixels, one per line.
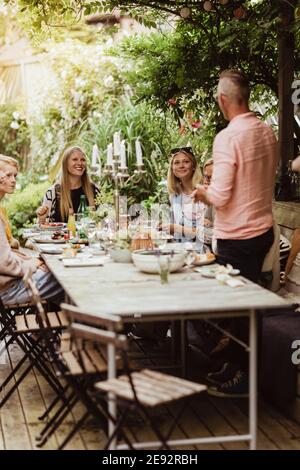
[{"x": 80, "y": 262}]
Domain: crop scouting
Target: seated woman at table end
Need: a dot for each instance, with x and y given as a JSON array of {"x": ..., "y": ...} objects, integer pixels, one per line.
[
  {"x": 13, "y": 263},
  {"x": 187, "y": 217},
  {"x": 74, "y": 182}
]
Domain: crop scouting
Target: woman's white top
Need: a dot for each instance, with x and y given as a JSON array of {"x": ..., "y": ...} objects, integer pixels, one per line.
[{"x": 188, "y": 213}]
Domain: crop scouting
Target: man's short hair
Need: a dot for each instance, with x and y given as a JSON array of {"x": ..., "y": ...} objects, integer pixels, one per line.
[{"x": 235, "y": 85}]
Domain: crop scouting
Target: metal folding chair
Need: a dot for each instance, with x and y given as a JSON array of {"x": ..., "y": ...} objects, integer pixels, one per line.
[
  {"x": 79, "y": 363},
  {"x": 138, "y": 391},
  {"x": 19, "y": 325}
]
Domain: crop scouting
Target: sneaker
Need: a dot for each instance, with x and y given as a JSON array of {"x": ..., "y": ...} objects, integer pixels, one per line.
[
  {"x": 205, "y": 340},
  {"x": 225, "y": 373},
  {"x": 222, "y": 344},
  {"x": 237, "y": 387}
]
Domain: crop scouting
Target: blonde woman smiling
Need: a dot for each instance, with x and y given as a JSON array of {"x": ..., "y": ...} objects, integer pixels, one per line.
[
  {"x": 65, "y": 195},
  {"x": 187, "y": 217}
]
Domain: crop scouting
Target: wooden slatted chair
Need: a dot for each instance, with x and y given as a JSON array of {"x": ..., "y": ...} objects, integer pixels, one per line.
[
  {"x": 139, "y": 390},
  {"x": 19, "y": 321},
  {"x": 80, "y": 362}
]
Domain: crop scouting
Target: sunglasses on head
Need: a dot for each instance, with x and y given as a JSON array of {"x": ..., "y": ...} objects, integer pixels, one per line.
[{"x": 182, "y": 149}]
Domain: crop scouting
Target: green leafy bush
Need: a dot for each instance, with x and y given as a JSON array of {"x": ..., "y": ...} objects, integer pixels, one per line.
[
  {"x": 22, "y": 205},
  {"x": 14, "y": 134}
]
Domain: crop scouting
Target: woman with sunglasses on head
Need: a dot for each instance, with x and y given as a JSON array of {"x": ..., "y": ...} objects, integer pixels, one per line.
[
  {"x": 74, "y": 183},
  {"x": 14, "y": 264},
  {"x": 187, "y": 218}
]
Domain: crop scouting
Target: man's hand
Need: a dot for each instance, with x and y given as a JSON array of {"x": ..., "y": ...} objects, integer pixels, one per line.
[
  {"x": 200, "y": 194},
  {"x": 208, "y": 223}
]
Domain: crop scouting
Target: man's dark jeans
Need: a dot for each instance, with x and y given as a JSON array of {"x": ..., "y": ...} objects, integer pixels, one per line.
[{"x": 246, "y": 255}]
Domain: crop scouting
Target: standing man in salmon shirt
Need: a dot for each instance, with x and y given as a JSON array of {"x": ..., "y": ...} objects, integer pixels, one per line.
[{"x": 245, "y": 156}]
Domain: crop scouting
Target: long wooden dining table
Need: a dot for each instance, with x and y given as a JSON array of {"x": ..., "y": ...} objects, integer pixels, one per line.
[{"x": 120, "y": 289}]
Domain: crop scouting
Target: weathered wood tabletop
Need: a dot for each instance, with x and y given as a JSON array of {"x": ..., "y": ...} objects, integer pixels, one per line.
[{"x": 121, "y": 289}]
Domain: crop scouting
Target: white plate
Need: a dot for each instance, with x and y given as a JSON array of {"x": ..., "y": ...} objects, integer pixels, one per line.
[
  {"x": 81, "y": 262},
  {"x": 207, "y": 272},
  {"x": 214, "y": 270},
  {"x": 47, "y": 240},
  {"x": 50, "y": 249}
]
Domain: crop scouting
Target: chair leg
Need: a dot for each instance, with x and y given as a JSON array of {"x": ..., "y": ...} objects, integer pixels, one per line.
[
  {"x": 176, "y": 418},
  {"x": 52, "y": 404},
  {"x": 15, "y": 386},
  {"x": 55, "y": 421},
  {"x": 118, "y": 429},
  {"x": 36, "y": 359},
  {"x": 74, "y": 430},
  {"x": 154, "y": 427}
]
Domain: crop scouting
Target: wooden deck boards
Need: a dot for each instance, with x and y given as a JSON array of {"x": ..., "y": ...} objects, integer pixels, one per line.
[{"x": 19, "y": 423}]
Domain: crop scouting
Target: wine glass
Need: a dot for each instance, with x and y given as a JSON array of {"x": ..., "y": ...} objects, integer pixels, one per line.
[
  {"x": 92, "y": 238},
  {"x": 189, "y": 261}
]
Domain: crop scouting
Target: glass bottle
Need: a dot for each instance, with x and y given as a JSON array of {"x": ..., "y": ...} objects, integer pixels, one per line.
[
  {"x": 83, "y": 207},
  {"x": 71, "y": 226}
]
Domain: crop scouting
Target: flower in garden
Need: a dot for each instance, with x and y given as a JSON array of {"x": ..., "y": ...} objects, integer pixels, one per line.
[
  {"x": 108, "y": 81},
  {"x": 239, "y": 13},
  {"x": 196, "y": 124},
  {"x": 172, "y": 101},
  {"x": 16, "y": 115},
  {"x": 80, "y": 83},
  {"x": 14, "y": 125}
]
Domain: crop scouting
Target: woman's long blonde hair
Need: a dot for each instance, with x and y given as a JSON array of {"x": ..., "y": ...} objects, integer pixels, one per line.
[
  {"x": 65, "y": 195},
  {"x": 174, "y": 183}
]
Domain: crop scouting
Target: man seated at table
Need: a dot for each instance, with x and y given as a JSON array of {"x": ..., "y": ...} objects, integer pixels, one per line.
[{"x": 13, "y": 263}]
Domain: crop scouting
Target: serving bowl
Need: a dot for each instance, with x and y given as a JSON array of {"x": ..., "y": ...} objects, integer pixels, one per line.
[
  {"x": 147, "y": 260},
  {"x": 120, "y": 255}
]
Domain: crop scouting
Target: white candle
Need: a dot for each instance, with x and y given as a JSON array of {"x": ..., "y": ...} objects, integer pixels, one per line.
[
  {"x": 117, "y": 143},
  {"x": 138, "y": 153},
  {"x": 95, "y": 155},
  {"x": 123, "y": 154},
  {"x": 109, "y": 155}
]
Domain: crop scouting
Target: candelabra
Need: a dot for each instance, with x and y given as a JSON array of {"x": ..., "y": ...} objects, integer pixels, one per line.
[{"x": 118, "y": 174}]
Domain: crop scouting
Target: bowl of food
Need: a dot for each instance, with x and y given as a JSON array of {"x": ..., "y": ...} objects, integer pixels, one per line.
[
  {"x": 120, "y": 255},
  {"x": 204, "y": 258},
  {"x": 147, "y": 261},
  {"x": 52, "y": 226}
]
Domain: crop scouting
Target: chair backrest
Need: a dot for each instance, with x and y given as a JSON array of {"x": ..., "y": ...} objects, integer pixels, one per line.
[
  {"x": 41, "y": 316},
  {"x": 98, "y": 335},
  {"x": 272, "y": 260},
  {"x": 75, "y": 314}
]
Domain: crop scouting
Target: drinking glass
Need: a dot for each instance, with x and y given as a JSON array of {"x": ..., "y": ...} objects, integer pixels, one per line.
[
  {"x": 164, "y": 268},
  {"x": 93, "y": 239},
  {"x": 159, "y": 238},
  {"x": 189, "y": 260}
]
